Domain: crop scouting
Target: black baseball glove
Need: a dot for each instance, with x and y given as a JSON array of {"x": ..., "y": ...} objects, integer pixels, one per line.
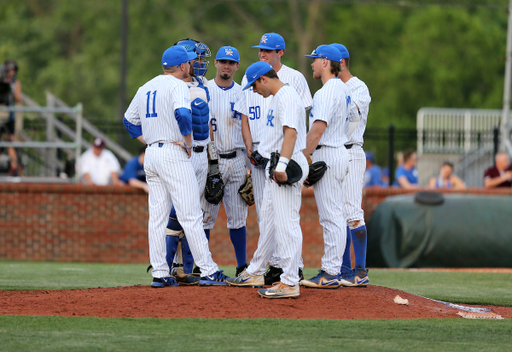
[
  {"x": 293, "y": 170},
  {"x": 214, "y": 189},
  {"x": 316, "y": 172},
  {"x": 258, "y": 160}
]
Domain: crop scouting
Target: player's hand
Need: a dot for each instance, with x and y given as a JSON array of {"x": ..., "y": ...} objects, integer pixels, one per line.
[
  {"x": 280, "y": 176},
  {"x": 182, "y": 144}
]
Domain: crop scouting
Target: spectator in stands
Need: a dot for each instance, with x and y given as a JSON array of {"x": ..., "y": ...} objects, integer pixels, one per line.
[
  {"x": 98, "y": 166},
  {"x": 10, "y": 94},
  {"x": 499, "y": 175},
  {"x": 406, "y": 175},
  {"x": 372, "y": 174},
  {"x": 446, "y": 179},
  {"x": 134, "y": 174}
]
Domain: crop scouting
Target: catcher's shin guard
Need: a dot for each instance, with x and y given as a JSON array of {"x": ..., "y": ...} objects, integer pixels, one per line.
[
  {"x": 188, "y": 259},
  {"x": 173, "y": 223},
  {"x": 171, "y": 245}
]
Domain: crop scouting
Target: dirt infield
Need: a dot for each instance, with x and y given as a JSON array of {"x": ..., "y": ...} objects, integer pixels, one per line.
[{"x": 373, "y": 302}]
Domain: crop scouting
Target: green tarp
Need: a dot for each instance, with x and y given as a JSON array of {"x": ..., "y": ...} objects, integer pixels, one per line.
[{"x": 465, "y": 231}]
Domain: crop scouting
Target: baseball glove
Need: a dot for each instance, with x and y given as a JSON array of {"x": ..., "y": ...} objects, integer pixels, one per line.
[
  {"x": 214, "y": 189},
  {"x": 316, "y": 172},
  {"x": 246, "y": 192},
  {"x": 293, "y": 170},
  {"x": 258, "y": 160}
]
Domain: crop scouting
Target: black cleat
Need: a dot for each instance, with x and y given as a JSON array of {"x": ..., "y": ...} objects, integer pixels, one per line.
[{"x": 272, "y": 275}]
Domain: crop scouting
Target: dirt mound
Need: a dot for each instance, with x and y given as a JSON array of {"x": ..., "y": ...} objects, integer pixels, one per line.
[{"x": 373, "y": 302}]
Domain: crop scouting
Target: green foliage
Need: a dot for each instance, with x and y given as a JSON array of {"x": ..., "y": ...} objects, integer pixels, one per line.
[{"x": 409, "y": 56}]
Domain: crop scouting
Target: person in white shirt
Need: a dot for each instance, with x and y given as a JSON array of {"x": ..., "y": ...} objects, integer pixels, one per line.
[{"x": 99, "y": 166}]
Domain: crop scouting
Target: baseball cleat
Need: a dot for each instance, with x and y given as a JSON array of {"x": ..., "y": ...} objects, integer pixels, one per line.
[
  {"x": 184, "y": 279},
  {"x": 280, "y": 290},
  {"x": 160, "y": 282},
  {"x": 246, "y": 280},
  {"x": 216, "y": 279},
  {"x": 272, "y": 275},
  {"x": 322, "y": 280},
  {"x": 358, "y": 279},
  {"x": 241, "y": 269}
]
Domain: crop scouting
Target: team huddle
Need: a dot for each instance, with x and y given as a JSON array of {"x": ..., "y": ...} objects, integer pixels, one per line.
[{"x": 209, "y": 141}]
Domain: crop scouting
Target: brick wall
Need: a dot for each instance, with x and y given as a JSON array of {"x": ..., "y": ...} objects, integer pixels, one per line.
[{"x": 63, "y": 222}]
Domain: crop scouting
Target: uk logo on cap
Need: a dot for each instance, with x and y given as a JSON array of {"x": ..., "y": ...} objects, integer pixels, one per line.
[
  {"x": 229, "y": 52},
  {"x": 264, "y": 39}
]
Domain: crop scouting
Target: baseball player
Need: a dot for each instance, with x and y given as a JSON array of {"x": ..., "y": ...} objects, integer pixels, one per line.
[
  {"x": 285, "y": 132},
  {"x": 326, "y": 141},
  {"x": 199, "y": 97},
  {"x": 227, "y": 138},
  {"x": 353, "y": 194},
  {"x": 254, "y": 108},
  {"x": 160, "y": 116}
]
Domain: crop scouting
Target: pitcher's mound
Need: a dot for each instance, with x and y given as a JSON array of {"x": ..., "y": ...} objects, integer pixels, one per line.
[{"x": 372, "y": 302}]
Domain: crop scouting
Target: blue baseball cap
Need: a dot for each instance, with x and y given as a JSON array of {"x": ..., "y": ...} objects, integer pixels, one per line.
[
  {"x": 343, "y": 50},
  {"x": 255, "y": 71},
  {"x": 328, "y": 52},
  {"x": 228, "y": 53},
  {"x": 370, "y": 156},
  {"x": 271, "y": 41},
  {"x": 176, "y": 55}
]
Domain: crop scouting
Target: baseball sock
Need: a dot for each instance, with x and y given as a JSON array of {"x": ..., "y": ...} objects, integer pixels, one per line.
[
  {"x": 188, "y": 259},
  {"x": 346, "y": 266},
  {"x": 239, "y": 240},
  {"x": 173, "y": 223},
  {"x": 359, "y": 239},
  {"x": 207, "y": 233},
  {"x": 171, "y": 244}
]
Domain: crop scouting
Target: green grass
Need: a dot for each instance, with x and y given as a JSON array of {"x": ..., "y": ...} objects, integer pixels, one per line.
[
  {"x": 29, "y": 333},
  {"x": 19, "y": 333}
]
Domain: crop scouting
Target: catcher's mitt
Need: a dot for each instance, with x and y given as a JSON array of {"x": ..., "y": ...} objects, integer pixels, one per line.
[
  {"x": 316, "y": 172},
  {"x": 258, "y": 160},
  {"x": 246, "y": 192},
  {"x": 293, "y": 170},
  {"x": 214, "y": 189}
]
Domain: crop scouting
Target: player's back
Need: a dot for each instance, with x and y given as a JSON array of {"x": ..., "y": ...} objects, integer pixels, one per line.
[
  {"x": 156, "y": 101},
  {"x": 360, "y": 95}
]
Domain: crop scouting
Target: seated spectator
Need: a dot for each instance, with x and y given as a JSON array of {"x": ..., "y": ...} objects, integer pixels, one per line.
[
  {"x": 98, "y": 166},
  {"x": 446, "y": 179},
  {"x": 372, "y": 174},
  {"x": 499, "y": 175},
  {"x": 406, "y": 175},
  {"x": 134, "y": 174}
]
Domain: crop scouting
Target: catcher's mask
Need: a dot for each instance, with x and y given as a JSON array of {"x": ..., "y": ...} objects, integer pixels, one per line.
[{"x": 199, "y": 65}]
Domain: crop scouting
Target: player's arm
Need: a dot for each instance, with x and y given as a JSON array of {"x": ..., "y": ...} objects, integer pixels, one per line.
[
  {"x": 290, "y": 136},
  {"x": 184, "y": 118},
  {"x": 313, "y": 137},
  {"x": 246, "y": 135}
]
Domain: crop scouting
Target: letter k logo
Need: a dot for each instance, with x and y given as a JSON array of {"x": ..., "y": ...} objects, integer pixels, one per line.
[{"x": 270, "y": 118}]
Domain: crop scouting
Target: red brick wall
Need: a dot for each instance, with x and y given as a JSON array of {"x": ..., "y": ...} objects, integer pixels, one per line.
[{"x": 62, "y": 222}]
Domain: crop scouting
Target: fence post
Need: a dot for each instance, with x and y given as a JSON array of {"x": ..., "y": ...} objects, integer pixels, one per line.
[
  {"x": 496, "y": 141},
  {"x": 391, "y": 154}
]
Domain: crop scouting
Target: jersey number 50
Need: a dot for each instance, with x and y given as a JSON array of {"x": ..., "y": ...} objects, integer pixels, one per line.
[
  {"x": 254, "y": 112},
  {"x": 154, "y": 114}
]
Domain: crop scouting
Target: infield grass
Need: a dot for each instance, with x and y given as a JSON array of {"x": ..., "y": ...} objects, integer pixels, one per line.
[{"x": 21, "y": 333}]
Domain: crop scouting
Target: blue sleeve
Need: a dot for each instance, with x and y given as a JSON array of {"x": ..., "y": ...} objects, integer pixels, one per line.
[
  {"x": 184, "y": 118},
  {"x": 134, "y": 130},
  {"x": 130, "y": 170}
]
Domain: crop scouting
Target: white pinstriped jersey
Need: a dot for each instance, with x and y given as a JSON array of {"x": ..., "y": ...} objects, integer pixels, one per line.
[
  {"x": 286, "y": 109},
  {"x": 151, "y": 102},
  {"x": 225, "y": 121},
  {"x": 331, "y": 104},
  {"x": 198, "y": 92},
  {"x": 360, "y": 95},
  {"x": 255, "y": 106}
]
